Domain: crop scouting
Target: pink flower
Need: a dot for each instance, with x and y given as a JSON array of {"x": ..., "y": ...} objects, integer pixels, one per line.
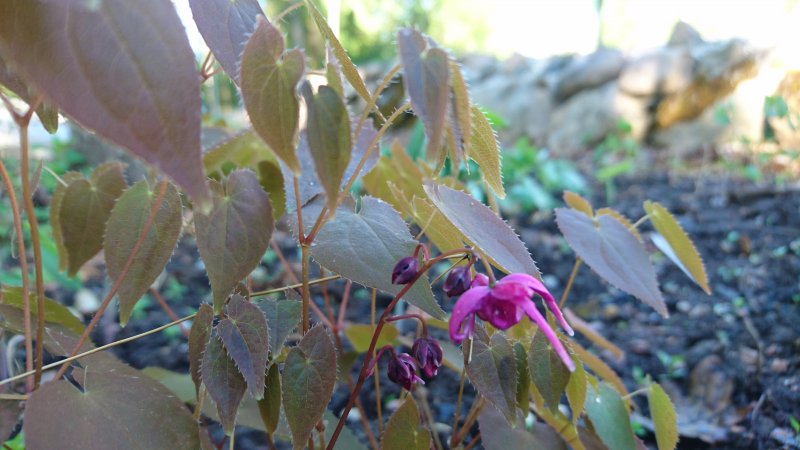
[{"x": 503, "y": 305}]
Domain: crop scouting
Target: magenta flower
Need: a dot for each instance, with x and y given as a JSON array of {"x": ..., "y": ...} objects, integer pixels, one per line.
[
  {"x": 428, "y": 354},
  {"x": 503, "y": 305},
  {"x": 457, "y": 281},
  {"x": 403, "y": 370},
  {"x": 405, "y": 270}
]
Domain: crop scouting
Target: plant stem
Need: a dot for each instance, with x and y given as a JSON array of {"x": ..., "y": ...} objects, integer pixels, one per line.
[
  {"x": 286, "y": 11},
  {"x": 165, "y": 306},
  {"x": 376, "y": 374},
  {"x": 474, "y": 441},
  {"x": 458, "y": 403},
  {"x": 23, "y": 265},
  {"x": 575, "y": 267},
  {"x": 419, "y": 318},
  {"x": 295, "y": 286},
  {"x": 374, "y": 99},
  {"x": 162, "y": 190},
  {"x": 641, "y": 220},
  {"x": 471, "y": 418},
  {"x": 306, "y": 289}
]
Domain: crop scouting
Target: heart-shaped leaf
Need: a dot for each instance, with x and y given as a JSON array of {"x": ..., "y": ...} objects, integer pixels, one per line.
[
  {"x": 54, "y": 312},
  {"x": 328, "y": 132},
  {"x": 548, "y": 373},
  {"x": 309, "y": 375},
  {"x": 403, "y": 432},
  {"x": 123, "y": 69},
  {"x": 364, "y": 246},
  {"x": 55, "y": 209},
  {"x": 683, "y": 254},
  {"x": 283, "y": 316},
  {"x": 614, "y": 253},
  {"x": 609, "y": 417},
  {"x": 269, "y": 406},
  {"x": 269, "y": 77},
  {"x": 224, "y": 383},
  {"x": 493, "y": 372},
  {"x": 126, "y": 223},
  {"x": 234, "y": 235},
  {"x": 84, "y": 210},
  {"x": 244, "y": 333},
  {"x": 226, "y": 25},
  {"x": 426, "y": 76},
  {"x": 198, "y": 340},
  {"x": 664, "y": 418},
  {"x": 118, "y": 407},
  {"x": 484, "y": 150},
  {"x": 483, "y": 229}
]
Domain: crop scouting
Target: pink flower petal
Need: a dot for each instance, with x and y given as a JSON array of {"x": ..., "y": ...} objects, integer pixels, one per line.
[
  {"x": 463, "y": 316},
  {"x": 544, "y": 327}
]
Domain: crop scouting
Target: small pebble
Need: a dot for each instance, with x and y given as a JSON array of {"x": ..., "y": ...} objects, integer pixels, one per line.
[
  {"x": 779, "y": 365},
  {"x": 86, "y": 301}
]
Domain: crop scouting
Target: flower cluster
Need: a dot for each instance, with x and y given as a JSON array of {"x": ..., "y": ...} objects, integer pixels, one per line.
[{"x": 426, "y": 355}]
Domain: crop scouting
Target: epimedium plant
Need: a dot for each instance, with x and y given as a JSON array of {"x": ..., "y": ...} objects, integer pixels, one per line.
[{"x": 125, "y": 71}]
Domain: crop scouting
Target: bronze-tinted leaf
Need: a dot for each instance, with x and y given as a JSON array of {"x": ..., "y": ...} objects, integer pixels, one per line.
[
  {"x": 523, "y": 377},
  {"x": 328, "y": 132},
  {"x": 123, "y": 69},
  {"x": 614, "y": 253},
  {"x": 226, "y": 25},
  {"x": 244, "y": 333},
  {"x": 55, "y": 209},
  {"x": 493, "y": 372},
  {"x": 224, "y": 383},
  {"x": 198, "y": 340},
  {"x": 269, "y": 406},
  {"x": 54, "y": 312},
  {"x": 683, "y": 254},
  {"x": 426, "y": 75},
  {"x": 269, "y": 77},
  {"x": 609, "y": 417},
  {"x": 460, "y": 105},
  {"x": 234, "y": 235},
  {"x": 579, "y": 203},
  {"x": 84, "y": 209},
  {"x": 576, "y": 389},
  {"x": 622, "y": 219},
  {"x": 548, "y": 373},
  {"x": 498, "y": 434},
  {"x": 664, "y": 418},
  {"x": 126, "y": 223},
  {"x": 116, "y": 407},
  {"x": 483, "y": 229},
  {"x": 364, "y": 246},
  {"x": 309, "y": 375},
  {"x": 333, "y": 72},
  {"x": 403, "y": 431},
  {"x": 484, "y": 150},
  {"x": 283, "y": 316},
  {"x": 47, "y": 114}
]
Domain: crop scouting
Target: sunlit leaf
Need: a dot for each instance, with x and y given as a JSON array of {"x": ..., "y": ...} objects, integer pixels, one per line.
[
  {"x": 226, "y": 25},
  {"x": 609, "y": 417},
  {"x": 664, "y": 418},
  {"x": 438, "y": 229},
  {"x": 460, "y": 105},
  {"x": 235, "y": 233},
  {"x": 47, "y": 114},
  {"x": 54, "y": 312},
  {"x": 198, "y": 340},
  {"x": 361, "y": 335},
  {"x": 576, "y": 389},
  {"x": 403, "y": 431},
  {"x": 268, "y": 79},
  {"x": 309, "y": 375},
  {"x": 270, "y": 404},
  {"x": 333, "y": 72},
  {"x": 84, "y": 209},
  {"x": 224, "y": 383},
  {"x": 557, "y": 421},
  {"x": 579, "y": 203},
  {"x": 498, "y": 434},
  {"x": 688, "y": 259},
  {"x": 622, "y": 219},
  {"x": 126, "y": 223},
  {"x": 55, "y": 209},
  {"x": 283, "y": 316},
  {"x": 523, "y": 376},
  {"x": 243, "y": 331},
  {"x": 483, "y": 229},
  {"x": 484, "y": 150},
  {"x": 123, "y": 69},
  {"x": 364, "y": 246},
  {"x": 493, "y": 372},
  {"x": 600, "y": 368},
  {"x": 614, "y": 253},
  {"x": 548, "y": 373}
]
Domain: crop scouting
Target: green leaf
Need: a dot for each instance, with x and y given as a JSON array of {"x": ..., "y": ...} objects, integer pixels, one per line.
[
  {"x": 664, "y": 418},
  {"x": 122, "y": 69},
  {"x": 609, "y": 417},
  {"x": 364, "y": 246},
  {"x": 460, "y": 105},
  {"x": 498, "y": 434},
  {"x": 269, "y": 406},
  {"x": 683, "y": 254},
  {"x": 54, "y": 312},
  {"x": 118, "y": 407},
  {"x": 235, "y": 233},
  {"x": 333, "y": 72},
  {"x": 484, "y": 150},
  {"x": 523, "y": 376},
  {"x": 126, "y": 223},
  {"x": 548, "y": 373},
  {"x": 493, "y": 372},
  {"x": 198, "y": 340},
  {"x": 269, "y": 77},
  {"x": 283, "y": 316},
  {"x": 225, "y": 26},
  {"x": 328, "y": 131},
  {"x": 439, "y": 230},
  {"x": 47, "y": 114},
  {"x": 244, "y": 333},
  {"x": 224, "y": 383},
  {"x": 309, "y": 375},
  {"x": 361, "y": 335},
  {"x": 576, "y": 389},
  {"x": 403, "y": 431},
  {"x": 614, "y": 253},
  {"x": 426, "y": 76},
  {"x": 483, "y": 229},
  {"x": 84, "y": 209},
  {"x": 599, "y": 367},
  {"x": 55, "y": 209}
]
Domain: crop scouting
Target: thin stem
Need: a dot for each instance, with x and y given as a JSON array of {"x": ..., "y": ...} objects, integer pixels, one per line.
[
  {"x": 428, "y": 417},
  {"x": 373, "y": 100},
  {"x": 458, "y": 403},
  {"x": 643, "y": 390},
  {"x": 100, "y": 349},
  {"x": 22, "y": 397},
  {"x": 471, "y": 418},
  {"x": 294, "y": 286},
  {"x": 474, "y": 441},
  {"x": 232, "y": 442},
  {"x": 301, "y": 236},
  {"x": 165, "y": 306},
  {"x": 411, "y": 316},
  {"x": 306, "y": 289},
  {"x": 286, "y": 11},
  {"x": 162, "y": 190},
  {"x": 23, "y": 265},
  {"x": 452, "y": 266},
  {"x": 575, "y": 267},
  {"x": 376, "y": 374},
  {"x": 641, "y": 220},
  {"x": 343, "y": 304}
]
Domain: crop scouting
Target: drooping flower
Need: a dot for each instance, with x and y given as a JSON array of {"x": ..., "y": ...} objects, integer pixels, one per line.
[
  {"x": 428, "y": 353},
  {"x": 405, "y": 270},
  {"x": 503, "y": 305},
  {"x": 457, "y": 281},
  {"x": 403, "y": 370}
]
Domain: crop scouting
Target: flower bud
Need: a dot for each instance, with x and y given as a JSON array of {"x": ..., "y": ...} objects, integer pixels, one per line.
[
  {"x": 428, "y": 353},
  {"x": 457, "y": 281},
  {"x": 403, "y": 371},
  {"x": 405, "y": 270}
]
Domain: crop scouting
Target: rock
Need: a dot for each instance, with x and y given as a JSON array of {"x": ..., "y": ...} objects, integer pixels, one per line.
[
  {"x": 662, "y": 72},
  {"x": 86, "y": 301},
  {"x": 684, "y": 34},
  {"x": 590, "y": 71},
  {"x": 789, "y": 91}
]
